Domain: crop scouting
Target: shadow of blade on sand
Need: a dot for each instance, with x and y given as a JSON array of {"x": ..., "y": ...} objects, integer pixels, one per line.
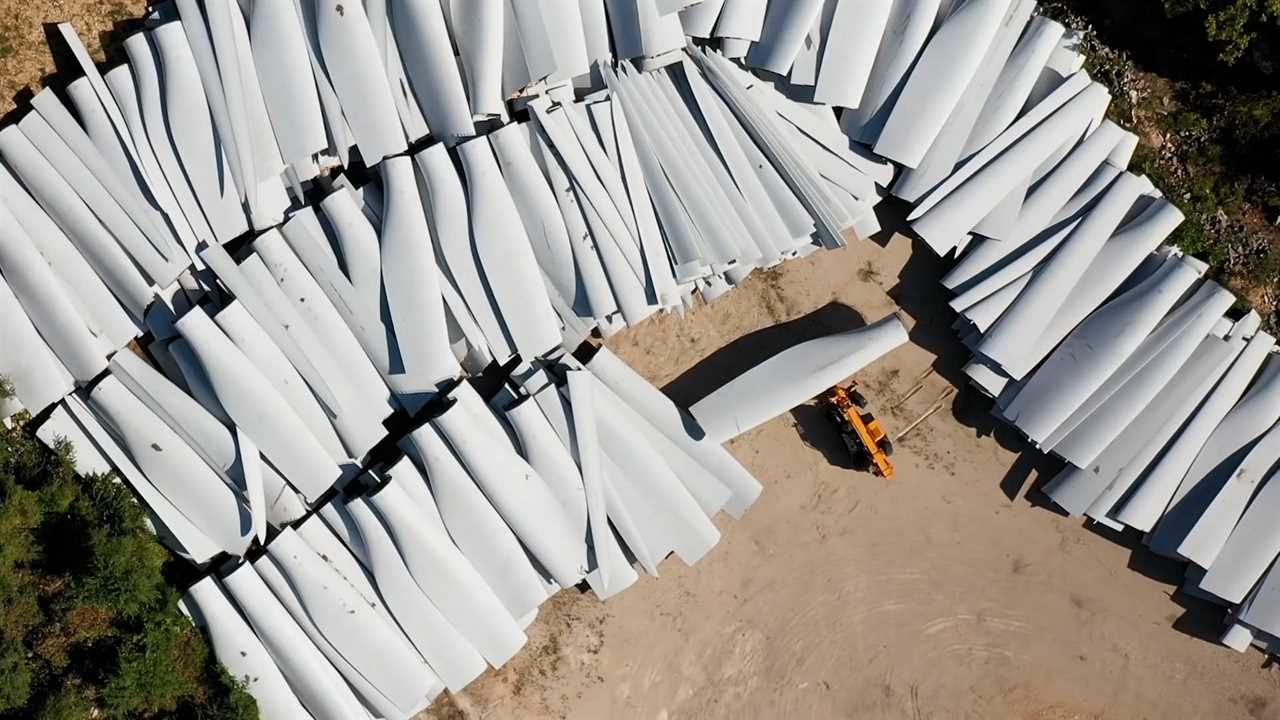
[{"x": 748, "y": 351}]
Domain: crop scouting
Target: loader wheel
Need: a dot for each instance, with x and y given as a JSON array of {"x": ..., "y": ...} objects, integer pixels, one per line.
[
  {"x": 861, "y": 461},
  {"x": 887, "y": 447}
]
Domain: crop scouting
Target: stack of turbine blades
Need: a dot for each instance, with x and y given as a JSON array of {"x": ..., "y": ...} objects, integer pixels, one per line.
[{"x": 264, "y": 270}]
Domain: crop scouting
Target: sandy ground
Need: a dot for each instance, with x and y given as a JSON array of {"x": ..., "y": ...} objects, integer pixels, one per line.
[
  {"x": 942, "y": 593},
  {"x": 28, "y": 29}
]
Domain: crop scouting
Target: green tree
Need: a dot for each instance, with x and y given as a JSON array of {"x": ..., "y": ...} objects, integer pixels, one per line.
[
  {"x": 1234, "y": 25},
  {"x": 89, "y": 626}
]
